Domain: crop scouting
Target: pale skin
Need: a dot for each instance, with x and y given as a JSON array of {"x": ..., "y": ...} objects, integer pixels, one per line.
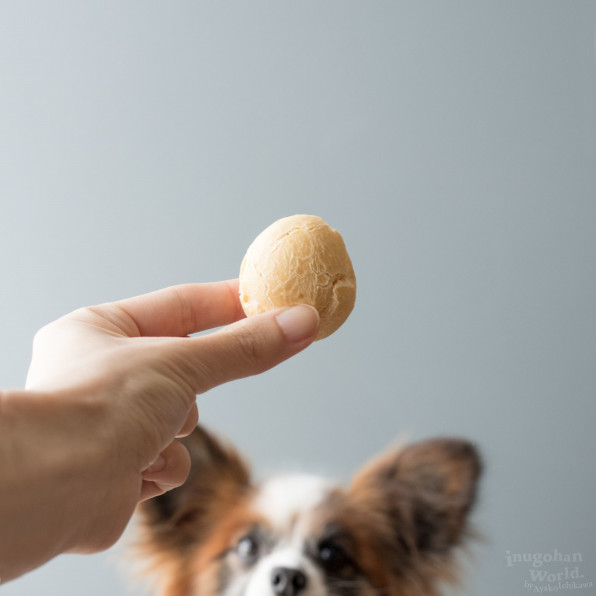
[{"x": 109, "y": 389}]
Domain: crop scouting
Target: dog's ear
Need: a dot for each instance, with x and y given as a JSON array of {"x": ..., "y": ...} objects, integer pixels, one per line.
[
  {"x": 219, "y": 478},
  {"x": 422, "y": 494}
]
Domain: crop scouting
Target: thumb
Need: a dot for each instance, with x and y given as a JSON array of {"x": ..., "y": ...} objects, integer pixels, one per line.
[{"x": 249, "y": 346}]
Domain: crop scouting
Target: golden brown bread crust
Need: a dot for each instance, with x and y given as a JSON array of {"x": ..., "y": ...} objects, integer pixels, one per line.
[{"x": 299, "y": 260}]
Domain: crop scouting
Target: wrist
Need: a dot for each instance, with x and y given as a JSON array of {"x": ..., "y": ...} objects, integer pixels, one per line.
[{"x": 53, "y": 455}]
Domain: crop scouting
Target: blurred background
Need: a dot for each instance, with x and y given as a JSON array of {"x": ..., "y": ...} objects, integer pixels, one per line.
[{"x": 453, "y": 144}]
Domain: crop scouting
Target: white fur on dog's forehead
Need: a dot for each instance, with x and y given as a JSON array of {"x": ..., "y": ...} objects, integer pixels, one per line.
[{"x": 282, "y": 498}]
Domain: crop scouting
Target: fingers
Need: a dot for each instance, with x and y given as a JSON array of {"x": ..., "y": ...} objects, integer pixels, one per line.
[
  {"x": 181, "y": 310},
  {"x": 191, "y": 422},
  {"x": 247, "y": 347},
  {"x": 169, "y": 471}
]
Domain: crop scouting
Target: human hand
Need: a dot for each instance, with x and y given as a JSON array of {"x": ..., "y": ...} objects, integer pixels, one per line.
[{"x": 134, "y": 363}]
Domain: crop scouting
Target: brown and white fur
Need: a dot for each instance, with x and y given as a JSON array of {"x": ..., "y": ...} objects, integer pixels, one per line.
[{"x": 392, "y": 532}]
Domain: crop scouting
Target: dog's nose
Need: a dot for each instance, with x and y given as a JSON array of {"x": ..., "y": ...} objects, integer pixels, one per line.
[{"x": 287, "y": 581}]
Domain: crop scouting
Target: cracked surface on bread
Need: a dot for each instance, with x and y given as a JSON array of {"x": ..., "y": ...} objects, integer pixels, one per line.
[{"x": 299, "y": 260}]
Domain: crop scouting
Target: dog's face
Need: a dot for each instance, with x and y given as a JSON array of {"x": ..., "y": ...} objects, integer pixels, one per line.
[{"x": 391, "y": 532}]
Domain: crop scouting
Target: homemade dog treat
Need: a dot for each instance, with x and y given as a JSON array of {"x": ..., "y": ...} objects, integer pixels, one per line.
[{"x": 299, "y": 260}]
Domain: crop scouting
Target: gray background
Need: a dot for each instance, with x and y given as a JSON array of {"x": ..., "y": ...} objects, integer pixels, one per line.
[{"x": 453, "y": 144}]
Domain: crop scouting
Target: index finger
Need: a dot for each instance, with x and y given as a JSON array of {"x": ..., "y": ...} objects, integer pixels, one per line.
[{"x": 184, "y": 309}]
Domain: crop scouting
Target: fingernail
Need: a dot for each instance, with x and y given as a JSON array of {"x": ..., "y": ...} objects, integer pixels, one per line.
[
  {"x": 298, "y": 322},
  {"x": 157, "y": 466},
  {"x": 167, "y": 487}
]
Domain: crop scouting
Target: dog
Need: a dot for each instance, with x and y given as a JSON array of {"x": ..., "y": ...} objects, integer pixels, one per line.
[{"x": 392, "y": 532}]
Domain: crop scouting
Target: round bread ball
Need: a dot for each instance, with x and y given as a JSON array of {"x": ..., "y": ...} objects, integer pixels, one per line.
[{"x": 299, "y": 260}]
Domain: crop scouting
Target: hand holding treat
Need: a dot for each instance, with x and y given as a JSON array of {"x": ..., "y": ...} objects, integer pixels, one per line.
[
  {"x": 109, "y": 389},
  {"x": 299, "y": 260}
]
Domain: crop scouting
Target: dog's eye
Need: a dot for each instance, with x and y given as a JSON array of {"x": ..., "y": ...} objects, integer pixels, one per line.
[
  {"x": 333, "y": 557},
  {"x": 248, "y": 548}
]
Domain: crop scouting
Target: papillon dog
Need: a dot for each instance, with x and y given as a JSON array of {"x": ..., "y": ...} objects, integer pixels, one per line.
[{"x": 392, "y": 532}]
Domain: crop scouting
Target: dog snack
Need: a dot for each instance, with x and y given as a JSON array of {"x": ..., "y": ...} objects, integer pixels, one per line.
[{"x": 299, "y": 260}]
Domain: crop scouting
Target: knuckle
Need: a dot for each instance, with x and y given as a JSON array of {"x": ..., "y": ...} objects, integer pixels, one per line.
[
  {"x": 192, "y": 372},
  {"x": 44, "y": 334},
  {"x": 248, "y": 347}
]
